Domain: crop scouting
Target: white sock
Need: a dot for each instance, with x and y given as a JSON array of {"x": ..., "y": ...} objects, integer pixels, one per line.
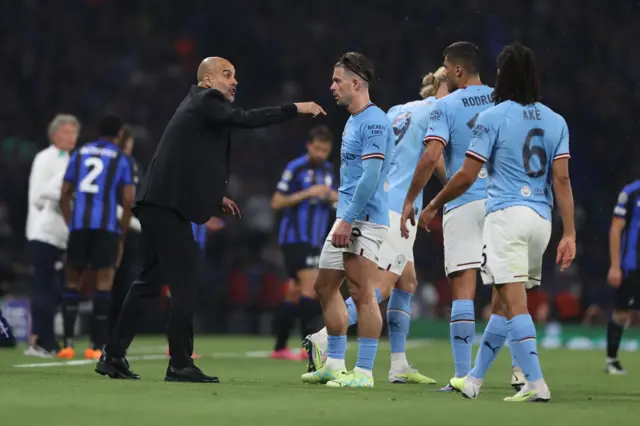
[
  {"x": 321, "y": 338},
  {"x": 335, "y": 364},
  {"x": 399, "y": 361},
  {"x": 368, "y": 373}
]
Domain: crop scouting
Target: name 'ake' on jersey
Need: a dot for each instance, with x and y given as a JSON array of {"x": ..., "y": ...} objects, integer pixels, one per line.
[
  {"x": 519, "y": 144},
  {"x": 450, "y": 123},
  {"x": 367, "y": 135},
  {"x": 98, "y": 171},
  {"x": 628, "y": 208},
  {"x": 410, "y": 122},
  {"x": 306, "y": 222}
]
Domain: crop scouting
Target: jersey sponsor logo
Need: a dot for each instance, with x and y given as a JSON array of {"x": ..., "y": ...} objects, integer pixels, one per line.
[{"x": 436, "y": 115}]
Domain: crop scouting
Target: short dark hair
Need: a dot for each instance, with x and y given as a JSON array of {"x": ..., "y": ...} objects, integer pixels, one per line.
[
  {"x": 358, "y": 64},
  {"x": 110, "y": 126},
  {"x": 320, "y": 133},
  {"x": 518, "y": 76},
  {"x": 465, "y": 54}
]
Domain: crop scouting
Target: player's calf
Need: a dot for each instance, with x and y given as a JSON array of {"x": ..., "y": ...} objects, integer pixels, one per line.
[{"x": 615, "y": 330}]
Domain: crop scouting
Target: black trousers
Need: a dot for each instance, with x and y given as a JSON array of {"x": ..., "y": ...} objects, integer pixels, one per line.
[
  {"x": 48, "y": 281},
  {"x": 130, "y": 267},
  {"x": 171, "y": 257}
]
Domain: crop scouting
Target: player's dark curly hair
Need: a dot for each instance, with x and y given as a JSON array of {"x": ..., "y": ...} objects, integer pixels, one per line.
[
  {"x": 358, "y": 64},
  {"x": 518, "y": 76}
]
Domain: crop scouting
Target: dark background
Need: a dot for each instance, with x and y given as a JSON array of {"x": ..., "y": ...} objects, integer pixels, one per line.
[{"x": 138, "y": 58}]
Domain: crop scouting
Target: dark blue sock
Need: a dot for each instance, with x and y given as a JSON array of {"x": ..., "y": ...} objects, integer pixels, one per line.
[
  {"x": 399, "y": 319},
  {"x": 522, "y": 337},
  {"x": 462, "y": 330},
  {"x": 70, "y": 301}
]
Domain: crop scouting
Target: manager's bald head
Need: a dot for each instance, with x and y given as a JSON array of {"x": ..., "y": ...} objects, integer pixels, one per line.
[{"x": 218, "y": 73}]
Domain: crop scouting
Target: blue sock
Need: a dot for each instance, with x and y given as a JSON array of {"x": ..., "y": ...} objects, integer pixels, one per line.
[
  {"x": 492, "y": 341},
  {"x": 399, "y": 319},
  {"x": 337, "y": 346},
  {"x": 514, "y": 363},
  {"x": 462, "y": 330},
  {"x": 522, "y": 337},
  {"x": 367, "y": 349},
  {"x": 353, "y": 311}
]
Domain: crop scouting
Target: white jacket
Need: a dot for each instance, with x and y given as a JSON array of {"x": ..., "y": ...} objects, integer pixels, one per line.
[{"x": 44, "y": 219}]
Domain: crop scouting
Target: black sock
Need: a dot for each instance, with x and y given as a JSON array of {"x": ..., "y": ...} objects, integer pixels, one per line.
[
  {"x": 285, "y": 318},
  {"x": 614, "y": 335},
  {"x": 70, "y": 300},
  {"x": 100, "y": 318},
  {"x": 310, "y": 310}
]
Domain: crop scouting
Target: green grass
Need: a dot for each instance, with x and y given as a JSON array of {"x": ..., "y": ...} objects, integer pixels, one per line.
[{"x": 258, "y": 391}]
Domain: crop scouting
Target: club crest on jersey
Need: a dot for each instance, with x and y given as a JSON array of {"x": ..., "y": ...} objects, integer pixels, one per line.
[
  {"x": 401, "y": 124},
  {"x": 483, "y": 173},
  {"x": 400, "y": 260},
  {"x": 525, "y": 191},
  {"x": 386, "y": 186}
]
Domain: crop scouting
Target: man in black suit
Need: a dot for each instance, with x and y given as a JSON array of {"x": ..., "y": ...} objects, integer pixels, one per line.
[{"x": 186, "y": 182}]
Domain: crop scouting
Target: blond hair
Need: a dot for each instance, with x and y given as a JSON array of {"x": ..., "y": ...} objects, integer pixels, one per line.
[
  {"x": 431, "y": 82},
  {"x": 61, "y": 119}
]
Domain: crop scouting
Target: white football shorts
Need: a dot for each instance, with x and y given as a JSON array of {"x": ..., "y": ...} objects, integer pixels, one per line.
[
  {"x": 462, "y": 233},
  {"x": 366, "y": 240},
  {"x": 515, "y": 240},
  {"x": 396, "y": 251}
]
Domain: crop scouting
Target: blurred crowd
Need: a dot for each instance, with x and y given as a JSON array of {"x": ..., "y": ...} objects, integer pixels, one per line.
[{"x": 138, "y": 58}]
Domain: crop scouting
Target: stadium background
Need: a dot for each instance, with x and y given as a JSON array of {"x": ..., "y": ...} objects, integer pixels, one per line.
[{"x": 137, "y": 59}]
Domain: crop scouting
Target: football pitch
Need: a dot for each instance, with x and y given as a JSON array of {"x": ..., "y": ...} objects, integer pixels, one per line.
[{"x": 256, "y": 390}]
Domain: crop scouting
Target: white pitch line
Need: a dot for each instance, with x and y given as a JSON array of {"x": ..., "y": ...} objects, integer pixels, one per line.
[{"x": 155, "y": 357}]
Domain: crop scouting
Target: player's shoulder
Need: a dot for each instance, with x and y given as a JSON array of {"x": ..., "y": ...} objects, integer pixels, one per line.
[
  {"x": 298, "y": 162},
  {"x": 373, "y": 114},
  {"x": 328, "y": 166},
  {"x": 632, "y": 188},
  {"x": 497, "y": 111},
  {"x": 44, "y": 154}
]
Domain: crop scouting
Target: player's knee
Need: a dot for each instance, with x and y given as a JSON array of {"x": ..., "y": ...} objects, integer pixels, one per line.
[
  {"x": 620, "y": 316},
  {"x": 408, "y": 284}
]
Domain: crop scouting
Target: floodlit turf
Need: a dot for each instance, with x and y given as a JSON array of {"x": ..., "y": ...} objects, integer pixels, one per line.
[{"x": 258, "y": 391}]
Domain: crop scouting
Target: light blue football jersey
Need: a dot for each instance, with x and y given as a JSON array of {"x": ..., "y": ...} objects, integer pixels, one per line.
[
  {"x": 519, "y": 145},
  {"x": 367, "y": 135},
  {"x": 410, "y": 122},
  {"x": 450, "y": 123}
]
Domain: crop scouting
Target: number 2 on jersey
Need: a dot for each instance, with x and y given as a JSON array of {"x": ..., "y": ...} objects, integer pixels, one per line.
[
  {"x": 95, "y": 167},
  {"x": 529, "y": 152}
]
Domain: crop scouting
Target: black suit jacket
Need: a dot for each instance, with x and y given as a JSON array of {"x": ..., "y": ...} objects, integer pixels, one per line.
[{"x": 190, "y": 169}]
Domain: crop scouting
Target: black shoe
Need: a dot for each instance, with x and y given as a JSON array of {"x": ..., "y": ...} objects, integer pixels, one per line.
[
  {"x": 115, "y": 368},
  {"x": 190, "y": 374}
]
